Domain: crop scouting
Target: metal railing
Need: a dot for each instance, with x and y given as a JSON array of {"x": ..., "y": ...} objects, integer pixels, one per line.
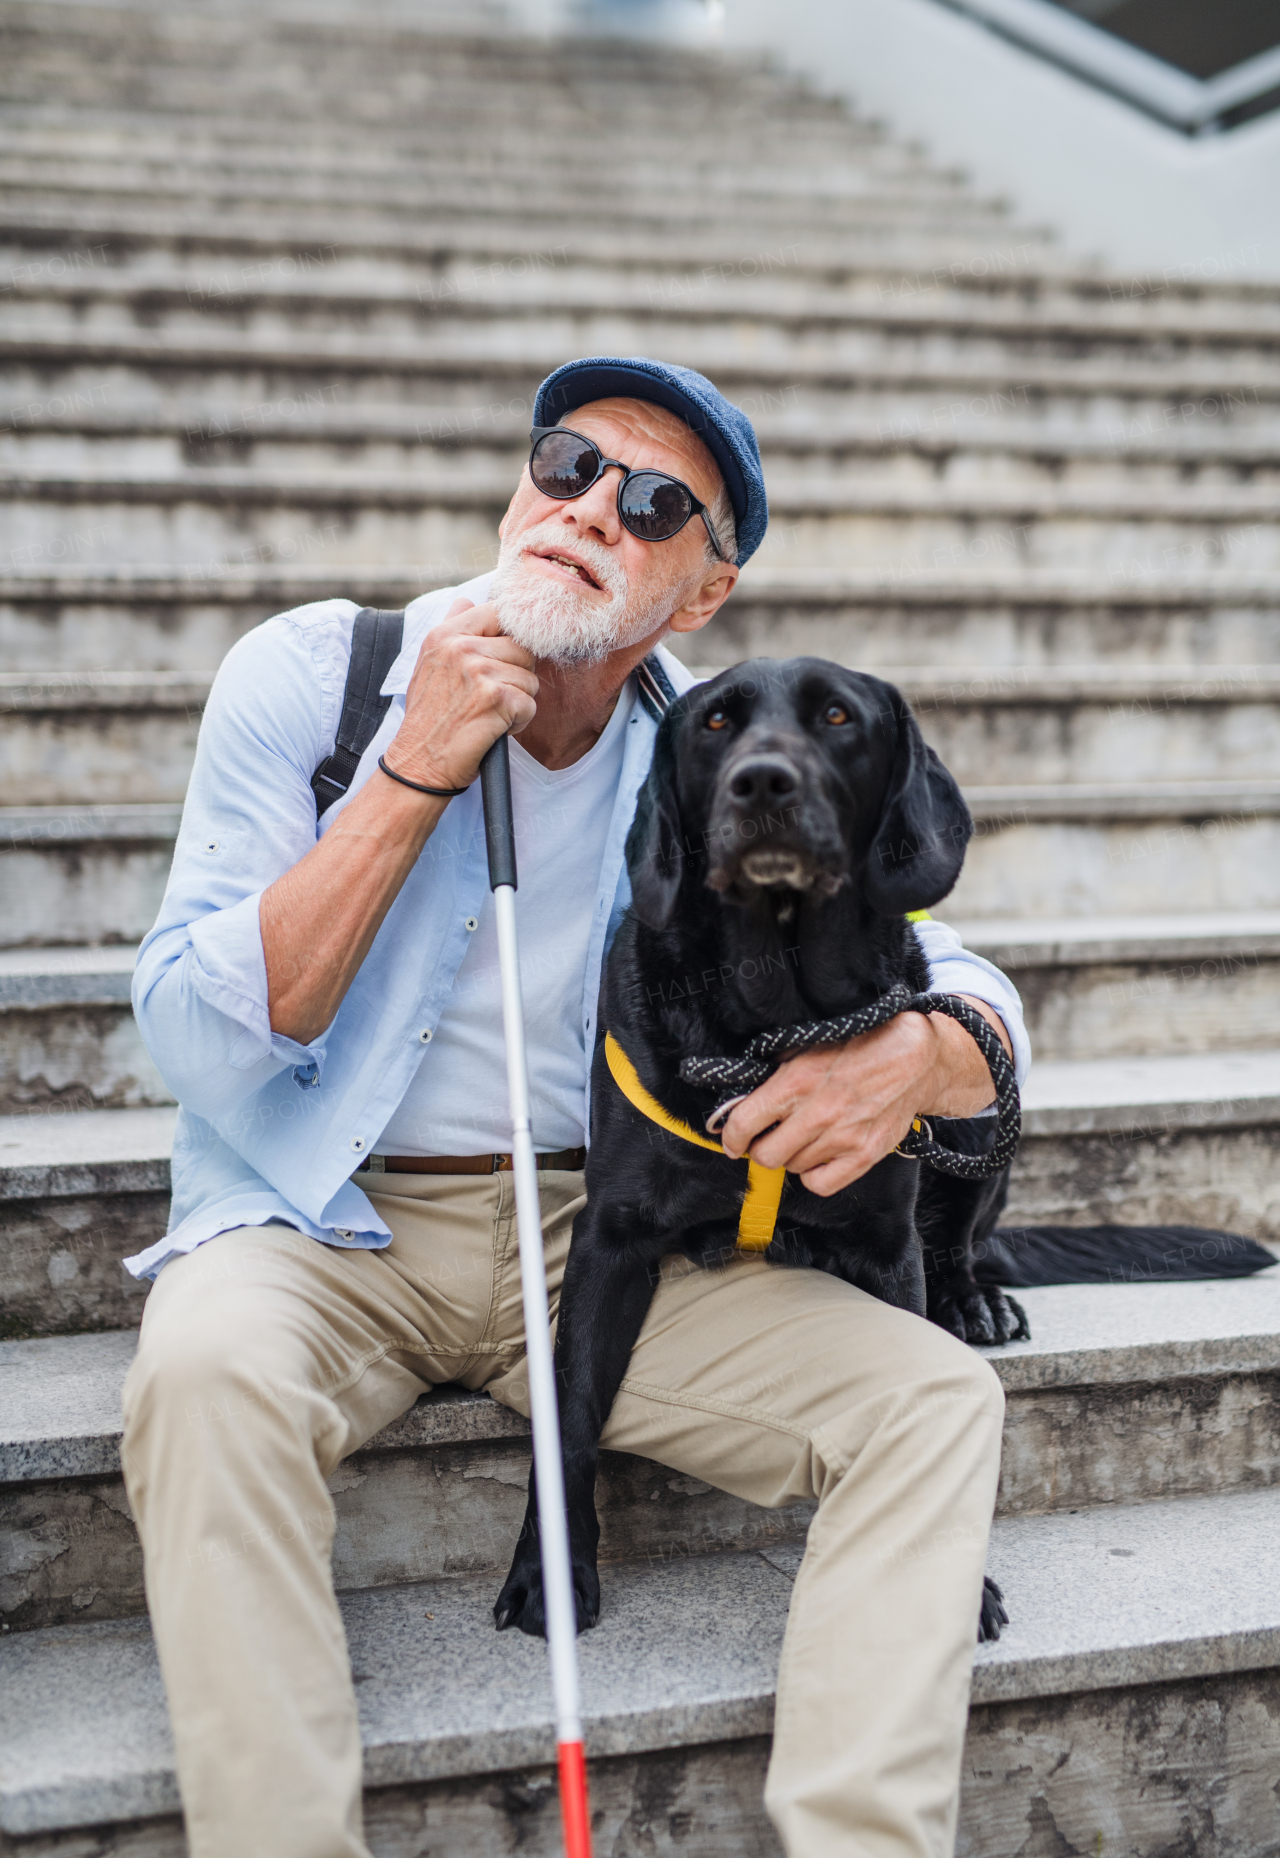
[{"x": 1195, "y": 106}]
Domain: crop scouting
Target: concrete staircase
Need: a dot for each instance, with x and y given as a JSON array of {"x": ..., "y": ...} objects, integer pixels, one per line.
[{"x": 275, "y": 289}]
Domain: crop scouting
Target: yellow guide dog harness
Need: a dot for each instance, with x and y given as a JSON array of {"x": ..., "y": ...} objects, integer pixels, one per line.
[{"x": 759, "y": 1215}]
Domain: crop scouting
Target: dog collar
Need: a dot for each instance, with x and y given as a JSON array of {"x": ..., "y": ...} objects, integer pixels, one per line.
[{"x": 759, "y": 1215}]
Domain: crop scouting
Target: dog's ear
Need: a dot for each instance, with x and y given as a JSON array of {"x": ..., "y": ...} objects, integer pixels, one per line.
[
  {"x": 919, "y": 847},
  {"x": 655, "y": 843}
]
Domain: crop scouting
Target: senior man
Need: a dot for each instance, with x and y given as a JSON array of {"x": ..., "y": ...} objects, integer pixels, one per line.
[{"x": 325, "y": 1005}]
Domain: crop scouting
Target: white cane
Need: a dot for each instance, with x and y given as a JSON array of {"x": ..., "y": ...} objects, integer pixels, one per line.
[{"x": 553, "y": 1523}]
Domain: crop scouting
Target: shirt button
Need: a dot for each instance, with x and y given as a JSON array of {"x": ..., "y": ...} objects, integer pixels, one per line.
[
  {"x": 345, "y": 1234},
  {"x": 357, "y": 1142},
  {"x": 424, "y": 1037},
  {"x": 473, "y": 922}
]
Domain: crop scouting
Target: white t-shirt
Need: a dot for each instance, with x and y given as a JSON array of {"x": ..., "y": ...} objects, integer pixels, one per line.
[{"x": 457, "y": 1103}]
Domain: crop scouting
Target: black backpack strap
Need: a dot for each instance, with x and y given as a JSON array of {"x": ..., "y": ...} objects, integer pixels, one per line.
[
  {"x": 376, "y": 638},
  {"x": 657, "y": 692}
]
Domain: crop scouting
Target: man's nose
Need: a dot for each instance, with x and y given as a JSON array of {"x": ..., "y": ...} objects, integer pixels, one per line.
[
  {"x": 597, "y": 508},
  {"x": 764, "y": 780}
]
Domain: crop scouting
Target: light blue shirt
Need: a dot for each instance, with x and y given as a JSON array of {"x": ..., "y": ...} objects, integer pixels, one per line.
[{"x": 270, "y": 1129}]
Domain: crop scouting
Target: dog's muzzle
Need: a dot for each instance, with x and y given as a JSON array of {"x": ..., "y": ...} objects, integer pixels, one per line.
[{"x": 769, "y": 834}]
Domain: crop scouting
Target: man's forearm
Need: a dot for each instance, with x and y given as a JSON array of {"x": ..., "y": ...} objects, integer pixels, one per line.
[
  {"x": 319, "y": 920},
  {"x": 470, "y": 685}
]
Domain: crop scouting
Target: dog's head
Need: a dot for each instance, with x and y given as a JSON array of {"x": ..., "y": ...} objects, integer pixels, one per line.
[{"x": 793, "y": 776}]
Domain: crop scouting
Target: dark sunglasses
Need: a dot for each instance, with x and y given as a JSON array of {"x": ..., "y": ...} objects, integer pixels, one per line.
[{"x": 655, "y": 507}]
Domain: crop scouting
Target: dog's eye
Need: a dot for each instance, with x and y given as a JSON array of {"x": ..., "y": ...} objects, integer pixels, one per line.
[
  {"x": 835, "y": 713},
  {"x": 716, "y": 719}
]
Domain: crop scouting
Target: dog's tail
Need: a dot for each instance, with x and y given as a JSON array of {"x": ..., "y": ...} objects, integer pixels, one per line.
[{"x": 1020, "y": 1257}]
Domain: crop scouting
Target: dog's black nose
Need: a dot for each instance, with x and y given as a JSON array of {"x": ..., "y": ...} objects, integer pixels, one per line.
[{"x": 764, "y": 780}]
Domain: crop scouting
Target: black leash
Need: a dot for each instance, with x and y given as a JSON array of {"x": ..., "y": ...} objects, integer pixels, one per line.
[{"x": 734, "y": 1077}]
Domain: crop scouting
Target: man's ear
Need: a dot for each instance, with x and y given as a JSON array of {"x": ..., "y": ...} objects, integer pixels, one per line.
[
  {"x": 655, "y": 842},
  {"x": 919, "y": 847},
  {"x": 706, "y": 599}
]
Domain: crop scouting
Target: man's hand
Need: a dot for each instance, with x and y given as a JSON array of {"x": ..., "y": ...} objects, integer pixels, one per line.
[
  {"x": 840, "y": 1112},
  {"x": 471, "y": 684}
]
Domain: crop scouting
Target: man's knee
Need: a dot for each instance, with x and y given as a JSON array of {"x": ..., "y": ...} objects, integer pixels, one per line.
[{"x": 937, "y": 1392}]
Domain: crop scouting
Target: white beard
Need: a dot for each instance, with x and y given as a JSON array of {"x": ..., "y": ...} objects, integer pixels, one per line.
[{"x": 557, "y": 622}]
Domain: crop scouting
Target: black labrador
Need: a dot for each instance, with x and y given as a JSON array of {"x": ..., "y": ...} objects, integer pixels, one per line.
[{"x": 792, "y": 817}]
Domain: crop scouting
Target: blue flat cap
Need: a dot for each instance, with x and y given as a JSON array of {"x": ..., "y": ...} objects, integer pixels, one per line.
[{"x": 726, "y": 432}]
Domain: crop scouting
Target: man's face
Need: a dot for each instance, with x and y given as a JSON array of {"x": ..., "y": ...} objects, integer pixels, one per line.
[{"x": 572, "y": 584}]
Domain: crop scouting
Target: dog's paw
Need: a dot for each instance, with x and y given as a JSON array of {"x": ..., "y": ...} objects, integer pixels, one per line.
[
  {"x": 981, "y": 1314},
  {"x": 521, "y": 1602},
  {"x": 992, "y": 1614}
]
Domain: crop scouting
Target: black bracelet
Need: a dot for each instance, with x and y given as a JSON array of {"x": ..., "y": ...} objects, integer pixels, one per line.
[{"x": 441, "y": 793}]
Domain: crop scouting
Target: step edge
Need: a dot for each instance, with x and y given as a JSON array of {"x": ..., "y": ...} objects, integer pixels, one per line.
[
  {"x": 151, "y": 1793},
  {"x": 94, "y": 1452}
]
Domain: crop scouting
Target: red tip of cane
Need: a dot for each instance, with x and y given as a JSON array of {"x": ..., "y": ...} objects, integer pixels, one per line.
[{"x": 574, "y": 1813}]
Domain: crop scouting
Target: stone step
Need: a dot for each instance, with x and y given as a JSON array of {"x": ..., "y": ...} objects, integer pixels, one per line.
[
  {"x": 765, "y": 217},
  {"x": 477, "y": 362},
  {"x": 119, "y": 736},
  {"x": 1116, "y": 987},
  {"x": 1174, "y": 1139},
  {"x": 1099, "y": 988},
  {"x": 1097, "y": 723},
  {"x": 475, "y": 487},
  {"x": 1187, "y": 1139},
  {"x": 1127, "y": 1392},
  {"x": 78, "y": 874},
  {"x": 818, "y": 140},
  {"x": 212, "y": 36},
  {"x": 327, "y": 290},
  {"x": 67, "y": 1034},
  {"x": 1135, "y": 986},
  {"x": 1020, "y": 267},
  {"x": 908, "y": 257},
  {"x": 484, "y": 16},
  {"x": 387, "y": 180},
  {"x": 441, "y": 1492},
  {"x": 57, "y": 438},
  {"x": 112, "y": 735},
  {"x": 817, "y": 128},
  {"x": 56, "y": 613},
  {"x": 726, "y": 166},
  {"x": 1146, "y": 611},
  {"x": 77, "y": 1195},
  {"x": 96, "y": 872},
  {"x": 209, "y": 521},
  {"x": 104, "y": 53},
  {"x": 1077, "y": 850},
  {"x": 1017, "y": 281},
  {"x": 492, "y": 178},
  {"x": 678, "y": 1688}
]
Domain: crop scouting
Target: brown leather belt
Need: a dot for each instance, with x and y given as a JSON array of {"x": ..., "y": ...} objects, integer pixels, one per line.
[{"x": 567, "y": 1158}]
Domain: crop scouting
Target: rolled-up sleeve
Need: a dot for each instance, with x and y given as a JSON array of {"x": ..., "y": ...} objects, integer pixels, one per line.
[
  {"x": 953, "y": 969},
  {"x": 200, "y": 986}
]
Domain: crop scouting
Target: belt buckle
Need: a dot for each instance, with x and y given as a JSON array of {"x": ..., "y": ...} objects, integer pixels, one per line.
[{"x": 502, "y": 1164}]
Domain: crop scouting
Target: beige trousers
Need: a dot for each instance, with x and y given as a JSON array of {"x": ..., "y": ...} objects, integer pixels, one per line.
[{"x": 265, "y": 1358}]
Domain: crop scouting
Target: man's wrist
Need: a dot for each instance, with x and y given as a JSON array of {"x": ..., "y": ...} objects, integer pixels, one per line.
[
  {"x": 958, "y": 1083},
  {"x": 418, "y": 787}
]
